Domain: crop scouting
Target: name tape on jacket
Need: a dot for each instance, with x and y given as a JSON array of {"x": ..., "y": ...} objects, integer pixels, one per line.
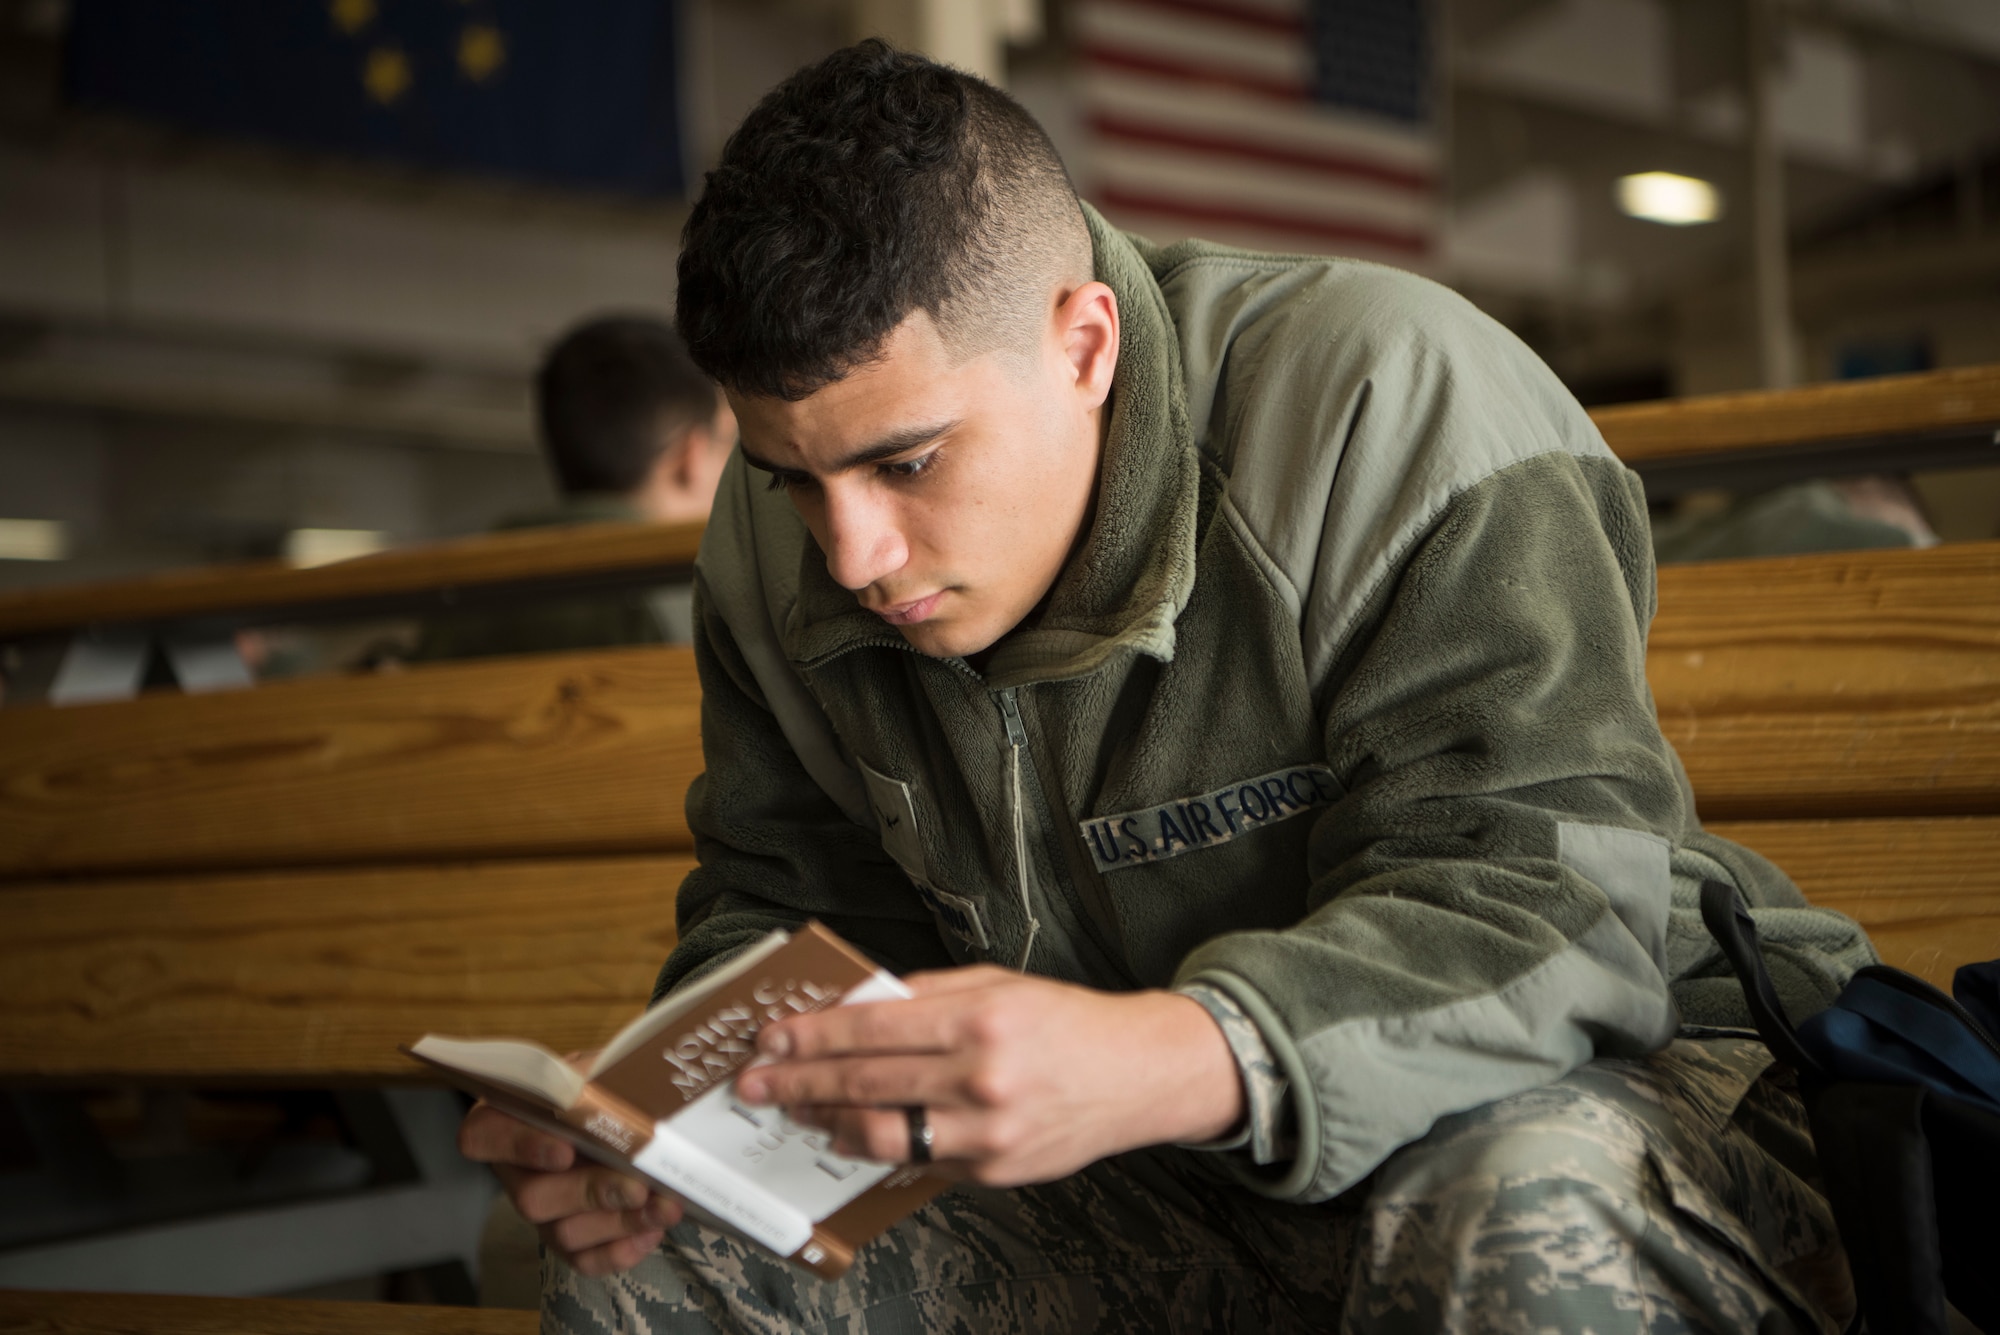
[{"x": 1189, "y": 824}]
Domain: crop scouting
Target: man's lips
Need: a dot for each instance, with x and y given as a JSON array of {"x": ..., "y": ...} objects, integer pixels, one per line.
[{"x": 910, "y": 613}]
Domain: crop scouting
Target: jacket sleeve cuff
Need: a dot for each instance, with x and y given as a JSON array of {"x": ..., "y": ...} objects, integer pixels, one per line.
[{"x": 1266, "y": 1130}]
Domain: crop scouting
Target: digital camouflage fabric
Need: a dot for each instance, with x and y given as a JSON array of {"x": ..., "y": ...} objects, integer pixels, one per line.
[{"x": 1652, "y": 1196}]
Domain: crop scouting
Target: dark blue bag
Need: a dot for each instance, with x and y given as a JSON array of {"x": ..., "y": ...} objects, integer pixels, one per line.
[
  {"x": 1977, "y": 987},
  {"x": 1902, "y": 1087}
]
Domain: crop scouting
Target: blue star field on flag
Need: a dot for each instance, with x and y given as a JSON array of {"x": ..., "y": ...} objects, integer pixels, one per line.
[
  {"x": 1373, "y": 56},
  {"x": 582, "y": 93}
]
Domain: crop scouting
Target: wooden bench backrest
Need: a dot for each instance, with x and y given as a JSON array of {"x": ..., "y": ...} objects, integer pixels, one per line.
[
  {"x": 1861, "y": 684},
  {"x": 284, "y": 883},
  {"x": 1886, "y": 408},
  {"x": 1854, "y": 684},
  {"x": 536, "y": 557},
  {"x": 510, "y": 757}
]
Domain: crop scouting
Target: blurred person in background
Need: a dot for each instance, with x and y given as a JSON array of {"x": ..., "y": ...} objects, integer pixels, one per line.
[
  {"x": 632, "y": 427},
  {"x": 1822, "y": 515},
  {"x": 634, "y": 432}
]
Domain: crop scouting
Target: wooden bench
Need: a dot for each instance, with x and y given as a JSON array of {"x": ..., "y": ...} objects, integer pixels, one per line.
[
  {"x": 1748, "y": 441},
  {"x": 336, "y": 851},
  {"x": 29, "y": 1313},
  {"x": 276, "y": 886}
]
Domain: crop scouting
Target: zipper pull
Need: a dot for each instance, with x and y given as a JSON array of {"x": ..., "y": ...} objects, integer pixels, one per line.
[{"x": 1010, "y": 713}]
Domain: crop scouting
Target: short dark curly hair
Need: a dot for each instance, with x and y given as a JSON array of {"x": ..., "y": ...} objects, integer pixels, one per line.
[
  {"x": 611, "y": 395},
  {"x": 871, "y": 185}
]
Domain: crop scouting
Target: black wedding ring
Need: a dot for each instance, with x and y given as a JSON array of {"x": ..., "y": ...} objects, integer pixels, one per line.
[{"x": 921, "y": 1135}]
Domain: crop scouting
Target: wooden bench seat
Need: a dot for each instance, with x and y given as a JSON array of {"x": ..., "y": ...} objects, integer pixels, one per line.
[
  {"x": 30, "y": 1313},
  {"x": 316, "y": 976}
]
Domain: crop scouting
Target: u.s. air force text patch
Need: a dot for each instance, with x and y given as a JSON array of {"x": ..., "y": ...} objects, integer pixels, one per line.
[{"x": 1188, "y": 824}]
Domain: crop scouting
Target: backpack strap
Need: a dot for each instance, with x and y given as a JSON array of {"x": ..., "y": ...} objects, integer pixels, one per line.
[{"x": 1735, "y": 931}]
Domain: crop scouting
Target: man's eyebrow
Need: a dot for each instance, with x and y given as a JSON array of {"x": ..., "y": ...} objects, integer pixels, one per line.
[{"x": 896, "y": 442}]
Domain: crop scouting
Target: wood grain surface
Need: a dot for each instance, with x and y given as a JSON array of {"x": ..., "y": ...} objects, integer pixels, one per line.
[
  {"x": 1858, "y": 684},
  {"x": 320, "y": 974},
  {"x": 1884, "y": 405},
  {"x": 1928, "y": 891},
  {"x": 30, "y": 1313},
  {"x": 493, "y": 558},
  {"x": 566, "y": 753}
]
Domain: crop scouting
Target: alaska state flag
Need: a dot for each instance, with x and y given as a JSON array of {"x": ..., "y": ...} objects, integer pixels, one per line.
[{"x": 572, "y": 92}]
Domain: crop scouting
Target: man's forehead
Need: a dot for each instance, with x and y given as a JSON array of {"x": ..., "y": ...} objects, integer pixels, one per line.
[{"x": 908, "y": 395}]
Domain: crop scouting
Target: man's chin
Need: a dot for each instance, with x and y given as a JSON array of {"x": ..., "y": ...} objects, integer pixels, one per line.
[{"x": 946, "y": 639}]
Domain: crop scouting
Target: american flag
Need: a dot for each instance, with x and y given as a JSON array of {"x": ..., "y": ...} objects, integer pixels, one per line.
[{"x": 1291, "y": 125}]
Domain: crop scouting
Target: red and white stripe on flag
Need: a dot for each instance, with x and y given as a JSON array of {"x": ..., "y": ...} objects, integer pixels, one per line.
[{"x": 1203, "y": 122}]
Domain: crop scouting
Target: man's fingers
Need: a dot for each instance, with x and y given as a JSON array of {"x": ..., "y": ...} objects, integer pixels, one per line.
[
  {"x": 580, "y": 1232},
  {"x": 883, "y": 1134},
  {"x": 856, "y": 1081},
  {"x": 614, "y": 1257},
  {"x": 542, "y": 1197},
  {"x": 488, "y": 1135},
  {"x": 931, "y": 1024}
]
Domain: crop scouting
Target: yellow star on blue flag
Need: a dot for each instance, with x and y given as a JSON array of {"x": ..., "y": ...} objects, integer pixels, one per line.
[{"x": 585, "y": 93}]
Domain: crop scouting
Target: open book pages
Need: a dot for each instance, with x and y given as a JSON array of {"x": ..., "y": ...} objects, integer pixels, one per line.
[
  {"x": 664, "y": 1012},
  {"x": 660, "y": 1100},
  {"x": 527, "y": 1068},
  {"x": 533, "y": 1069}
]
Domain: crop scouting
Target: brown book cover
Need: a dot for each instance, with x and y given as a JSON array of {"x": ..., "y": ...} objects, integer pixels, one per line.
[{"x": 658, "y": 1101}]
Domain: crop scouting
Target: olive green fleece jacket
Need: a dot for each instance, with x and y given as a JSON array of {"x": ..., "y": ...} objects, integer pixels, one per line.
[{"x": 1340, "y": 709}]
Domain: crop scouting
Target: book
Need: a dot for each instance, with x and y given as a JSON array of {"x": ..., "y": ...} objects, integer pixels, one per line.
[{"x": 659, "y": 1101}]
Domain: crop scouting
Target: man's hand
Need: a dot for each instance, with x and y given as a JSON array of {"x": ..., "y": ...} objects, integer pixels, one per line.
[
  {"x": 598, "y": 1220},
  {"x": 1023, "y": 1079}
]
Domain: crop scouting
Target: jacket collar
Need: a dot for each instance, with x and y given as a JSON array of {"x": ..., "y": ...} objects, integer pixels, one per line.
[{"x": 1127, "y": 583}]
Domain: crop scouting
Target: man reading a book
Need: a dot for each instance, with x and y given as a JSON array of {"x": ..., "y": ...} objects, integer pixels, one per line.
[{"x": 1216, "y": 682}]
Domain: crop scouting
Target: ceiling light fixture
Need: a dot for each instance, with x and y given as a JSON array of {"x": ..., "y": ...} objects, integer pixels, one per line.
[{"x": 1666, "y": 197}]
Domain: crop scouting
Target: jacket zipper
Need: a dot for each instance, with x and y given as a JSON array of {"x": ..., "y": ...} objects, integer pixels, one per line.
[
  {"x": 1018, "y": 757},
  {"x": 1017, "y": 750}
]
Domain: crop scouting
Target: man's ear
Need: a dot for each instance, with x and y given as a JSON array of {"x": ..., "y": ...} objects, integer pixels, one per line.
[
  {"x": 1086, "y": 327},
  {"x": 659, "y": 493},
  {"x": 683, "y": 457}
]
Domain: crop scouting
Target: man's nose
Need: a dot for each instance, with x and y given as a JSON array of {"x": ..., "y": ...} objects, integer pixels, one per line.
[{"x": 863, "y": 542}]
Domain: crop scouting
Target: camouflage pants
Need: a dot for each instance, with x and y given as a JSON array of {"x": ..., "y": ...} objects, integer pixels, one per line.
[{"x": 1665, "y": 1194}]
